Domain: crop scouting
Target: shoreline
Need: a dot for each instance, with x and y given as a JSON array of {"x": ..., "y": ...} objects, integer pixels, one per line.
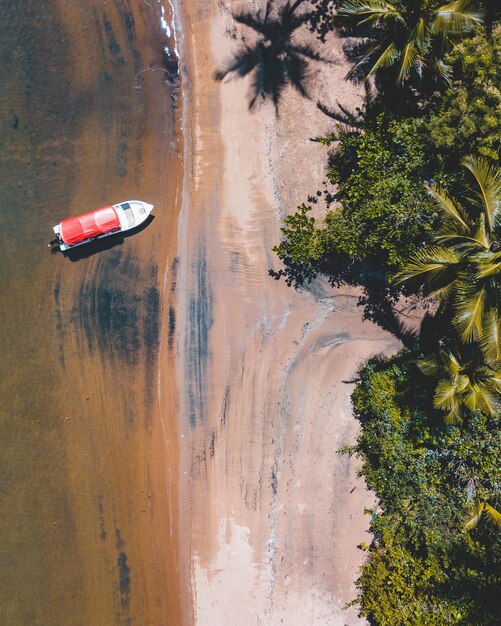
[{"x": 272, "y": 515}]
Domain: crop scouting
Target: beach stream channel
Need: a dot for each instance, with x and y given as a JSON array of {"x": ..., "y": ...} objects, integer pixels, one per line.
[{"x": 88, "y": 108}]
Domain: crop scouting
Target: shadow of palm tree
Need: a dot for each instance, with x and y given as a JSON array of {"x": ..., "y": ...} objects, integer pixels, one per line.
[
  {"x": 377, "y": 100},
  {"x": 379, "y": 299},
  {"x": 274, "y": 59}
]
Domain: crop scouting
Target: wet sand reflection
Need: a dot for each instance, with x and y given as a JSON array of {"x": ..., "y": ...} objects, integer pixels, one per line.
[{"x": 85, "y": 536}]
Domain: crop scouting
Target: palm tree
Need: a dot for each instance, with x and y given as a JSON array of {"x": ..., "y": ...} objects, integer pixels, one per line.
[
  {"x": 462, "y": 269},
  {"x": 410, "y": 36},
  {"x": 274, "y": 59},
  {"x": 464, "y": 381}
]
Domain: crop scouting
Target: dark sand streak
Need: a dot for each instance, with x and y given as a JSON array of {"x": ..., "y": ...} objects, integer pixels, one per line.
[{"x": 199, "y": 324}]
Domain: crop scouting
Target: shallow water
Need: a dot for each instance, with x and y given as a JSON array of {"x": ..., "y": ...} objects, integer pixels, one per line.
[{"x": 79, "y": 337}]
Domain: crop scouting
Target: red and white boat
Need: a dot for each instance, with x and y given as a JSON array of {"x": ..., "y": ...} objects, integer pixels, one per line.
[{"x": 103, "y": 222}]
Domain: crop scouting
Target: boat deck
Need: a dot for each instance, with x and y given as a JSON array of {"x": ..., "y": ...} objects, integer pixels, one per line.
[{"x": 129, "y": 214}]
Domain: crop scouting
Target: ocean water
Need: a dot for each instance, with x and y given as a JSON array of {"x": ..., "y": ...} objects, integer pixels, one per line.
[{"x": 79, "y": 336}]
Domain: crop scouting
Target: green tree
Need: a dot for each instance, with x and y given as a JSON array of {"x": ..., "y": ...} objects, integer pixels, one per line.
[
  {"x": 379, "y": 173},
  {"x": 463, "y": 266},
  {"x": 302, "y": 247},
  {"x": 383, "y": 214},
  {"x": 465, "y": 381},
  {"x": 468, "y": 117},
  {"x": 408, "y": 36}
]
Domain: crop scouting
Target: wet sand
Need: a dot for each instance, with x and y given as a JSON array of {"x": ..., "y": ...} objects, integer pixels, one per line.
[
  {"x": 88, "y": 426},
  {"x": 271, "y": 514}
]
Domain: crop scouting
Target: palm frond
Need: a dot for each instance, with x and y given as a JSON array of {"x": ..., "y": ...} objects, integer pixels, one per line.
[
  {"x": 370, "y": 54},
  {"x": 461, "y": 383},
  {"x": 441, "y": 293},
  {"x": 493, "y": 513},
  {"x": 478, "y": 398},
  {"x": 357, "y": 67},
  {"x": 445, "y": 397},
  {"x": 462, "y": 242},
  {"x": 430, "y": 366},
  {"x": 497, "y": 223},
  {"x": 469, "y": 313},
  {"x": 495, "y": 381},
  {"x": 387, "y": 58},
  {"x": 456, "y": 18},
  {"x": 488, "y": 264},
  {"x": 475, "y": 515},
  {"x": 448, "y": 207},
  {"x": 370, "y": 11},
  {"x": 429, "y": 264},
  {"x": 420, "y": 32},
  {"x": 451, "y": 363},
  {"x": 481, "y": 234},
  {"x": 408, "y": 58},
  {"x": 452, "y": 417},
  {"x": 489, "y": 187},
  {"x": 491, "y": 337},
  {"x": 442, "y": 68}
]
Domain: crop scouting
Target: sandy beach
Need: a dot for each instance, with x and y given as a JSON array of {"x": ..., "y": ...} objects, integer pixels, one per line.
[{"x": 270, "y": 514}]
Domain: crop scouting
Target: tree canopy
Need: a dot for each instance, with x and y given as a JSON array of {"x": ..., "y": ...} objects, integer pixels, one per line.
[
  {"x": 409, "y": 37},
  {"x": 422, "y": 567},
  {"x": 382, "y": 213},
  {"x": 467, "y": 119},
  {"x": 462, "y": 267}
]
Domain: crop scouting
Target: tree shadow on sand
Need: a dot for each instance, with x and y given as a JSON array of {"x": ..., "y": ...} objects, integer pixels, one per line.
[
  {"x": 274, "y": 59},
  {"x": 380, "y": 301},
  {"x": 391, "y": 100}
]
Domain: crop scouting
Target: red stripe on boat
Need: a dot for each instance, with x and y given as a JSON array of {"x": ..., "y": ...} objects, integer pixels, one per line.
[{"x": 98, "y": 222}]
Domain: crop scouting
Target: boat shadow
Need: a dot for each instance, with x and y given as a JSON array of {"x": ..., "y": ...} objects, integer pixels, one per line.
[{"x": 100, "y": 245}]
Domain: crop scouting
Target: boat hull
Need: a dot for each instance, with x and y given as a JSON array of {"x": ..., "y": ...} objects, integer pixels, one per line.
[{"x": 131, "y": 214}]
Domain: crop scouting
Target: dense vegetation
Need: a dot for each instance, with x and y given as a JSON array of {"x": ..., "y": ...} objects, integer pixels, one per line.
[
  {"x": 381, "y": 160},
  {"x": 422, "y": 567},
  {"x": 467, "y": 118},
  {"x": 381, "y": 219},
  {"x": 414, "y": 206}
]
